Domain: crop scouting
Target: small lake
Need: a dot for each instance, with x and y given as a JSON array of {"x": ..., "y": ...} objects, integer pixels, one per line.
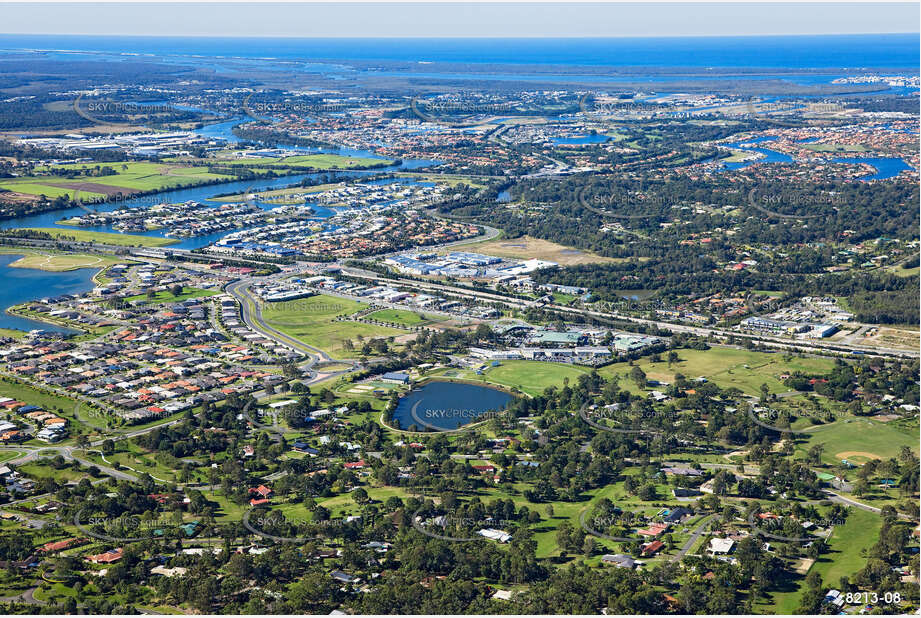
[
  {"x": 22, "y": 285},
  {"x": 442, "y": 406}
]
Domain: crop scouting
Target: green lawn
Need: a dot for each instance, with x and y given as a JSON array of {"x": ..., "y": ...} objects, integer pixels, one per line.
[
  {"x": 62, "y": 406},
  {"x": 847, "y": 437},
  {"x": 399, "y": 316},
  {"x": 130, "y": 177},
  {"x": 106, "y": 237},
  {"x": 311, "y": 320},
  {"x": 313, "y": 161},
  {"x": 835, "y": 147},
  {"x": 531, "y": 377}
]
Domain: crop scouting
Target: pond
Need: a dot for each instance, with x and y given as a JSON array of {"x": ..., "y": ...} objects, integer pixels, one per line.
[{"x": 444, "y": 406}]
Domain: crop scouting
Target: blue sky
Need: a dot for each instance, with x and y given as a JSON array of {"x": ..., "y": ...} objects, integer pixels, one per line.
[{"x": 509, "y": 19}]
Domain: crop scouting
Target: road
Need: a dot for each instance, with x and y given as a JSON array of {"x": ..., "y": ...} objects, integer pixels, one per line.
[
  {"x": 695, "y": 536},
  {"x": 702, "y": 331},
  {"x": 252, "y": 317}
]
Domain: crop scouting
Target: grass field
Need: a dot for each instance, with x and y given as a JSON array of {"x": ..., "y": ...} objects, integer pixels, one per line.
[
  {"x": 526, "y": 248},
  {"x": 399, "y": 316},
  {"x": 847, "y": 542},
  {"x": 63, "y": 262},
  {"x": 311, "y": 320},
  {"x": 165, "y": 296},
  {"x": 130, "y": 177},
  {"x": 727, "y": 367},
  {"x": 845, "y": 438},
  {"x": 313, "y": 161},
  {"x": 48, "y": 401},
  {"x": 452, "y": 180},
  {"x": 737, "y": 156},
  {"x": 531, "y": 377},
  {"x": 108, "y": 238},
  {"x": 835, "y": 147}
]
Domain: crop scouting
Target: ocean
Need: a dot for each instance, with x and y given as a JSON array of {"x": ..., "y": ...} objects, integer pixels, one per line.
[{"x": 898, "y": 51}]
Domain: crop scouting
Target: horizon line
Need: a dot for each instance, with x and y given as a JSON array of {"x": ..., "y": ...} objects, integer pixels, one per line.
[{"x": 509, "y": 36}]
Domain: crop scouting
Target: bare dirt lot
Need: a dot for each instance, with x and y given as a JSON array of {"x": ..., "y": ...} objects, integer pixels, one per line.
[{"x": 526, "y": 248}]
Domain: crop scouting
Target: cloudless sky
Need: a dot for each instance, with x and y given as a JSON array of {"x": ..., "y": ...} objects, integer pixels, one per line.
[{"x": 432, "y": 19}]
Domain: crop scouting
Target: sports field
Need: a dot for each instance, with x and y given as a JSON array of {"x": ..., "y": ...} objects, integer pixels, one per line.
[
  {"x": 860, "y": 439},
  {"x": 311, "y": 320}
]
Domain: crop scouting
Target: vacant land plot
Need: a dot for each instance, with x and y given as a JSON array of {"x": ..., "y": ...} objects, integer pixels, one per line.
[
  {"x": 107, "y": 238},
  {"x": 63, "y": 262},
  {"x": 312, "y": 320},
  {"x": 886, "y": 336},
  {"x": 526, "y": 248}
]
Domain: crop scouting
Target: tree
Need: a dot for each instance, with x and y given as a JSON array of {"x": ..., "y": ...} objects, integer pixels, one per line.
[
  {"x": 360, "y": 496},
  {"x": 814, "y": 454},
  {"x": 638, "y": 376},
  {"x": 588, "y": 546}
]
